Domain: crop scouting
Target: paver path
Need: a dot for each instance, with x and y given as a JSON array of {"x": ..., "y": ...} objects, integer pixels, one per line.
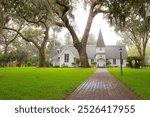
[{"x": 102, "y": 86}]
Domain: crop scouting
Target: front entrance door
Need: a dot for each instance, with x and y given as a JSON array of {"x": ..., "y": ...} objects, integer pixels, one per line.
[{"x": 101, "y": 63}]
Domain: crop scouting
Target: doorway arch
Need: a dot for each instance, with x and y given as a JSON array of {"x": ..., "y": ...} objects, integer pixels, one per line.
[{"x": 101, "y": 63}]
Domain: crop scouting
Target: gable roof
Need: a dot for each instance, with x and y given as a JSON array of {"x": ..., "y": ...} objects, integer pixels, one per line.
[
  {"x": 91, "y": 51},
  {"x": 69, "y": 50},
  {"x": 112, "y": 52},
  {"x": 100, "y": 40},
  {"x": 55, "y": 52}
]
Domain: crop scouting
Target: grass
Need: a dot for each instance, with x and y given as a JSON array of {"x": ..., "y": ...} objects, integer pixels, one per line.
[
  {"x": 40, "y": 83},
  {"x": 136, "y": 79}
]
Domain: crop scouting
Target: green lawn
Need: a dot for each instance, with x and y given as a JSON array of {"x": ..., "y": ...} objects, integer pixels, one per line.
[
  {"x": 40, "y": 83},
  {"x": 137, "y": 79}
]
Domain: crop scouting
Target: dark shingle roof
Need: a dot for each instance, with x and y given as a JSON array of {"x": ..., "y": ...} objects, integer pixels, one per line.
[
  {"x": 90, "y": 51},
  {"x": 100, "y": 40},
  {"x": 111, "y": 51},
  {"x": 55, "y": 52}
]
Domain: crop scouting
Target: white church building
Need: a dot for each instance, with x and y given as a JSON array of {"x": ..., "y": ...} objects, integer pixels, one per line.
[{"x": 98, "y": 55}]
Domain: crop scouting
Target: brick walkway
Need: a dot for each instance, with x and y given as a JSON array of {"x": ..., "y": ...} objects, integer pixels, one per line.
[{"x": 102, "y": 86}]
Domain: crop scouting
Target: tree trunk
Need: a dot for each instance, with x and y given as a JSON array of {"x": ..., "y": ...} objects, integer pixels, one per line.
[
  {"x": 42, "y": 48},
  {"x": 131, "y": 64},
  {"x": 6, "y": 49},
  {"x": 41, "y": 57},
  {"x": 82, "y": 52},
  {"x": 143, "y": 54},
  {"x": 81, "y": 46},
  {"x": 139, "y": 49},
  {"x": 83, "y": 57}
]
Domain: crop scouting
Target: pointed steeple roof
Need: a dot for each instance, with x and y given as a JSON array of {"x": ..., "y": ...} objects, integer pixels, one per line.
[{"x": 100, "y": 41}]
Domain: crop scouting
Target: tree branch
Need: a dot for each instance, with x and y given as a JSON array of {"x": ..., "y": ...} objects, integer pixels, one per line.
[
  {"x": 88, "y": 26},
  {"x": 45, "y": 38},
  {"x": 66, "y": 24},
  {"x": 15, "y": 35},
  {"x": 7, "y": 42},
  {"x": 99, "y": 10},
  {"x": 4, "y": 38},
  {"x": 33, "y": 22},
  {"x": 72, "y": 32},
  {"x": 66, "y": 8},
  {"x": 21, "y": 35},
  {"x": 60, "y": 24},
  {"x": 97, "y": 7}
]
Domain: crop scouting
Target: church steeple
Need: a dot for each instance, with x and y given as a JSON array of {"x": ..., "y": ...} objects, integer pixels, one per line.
[{"x": 100, "y": 41}]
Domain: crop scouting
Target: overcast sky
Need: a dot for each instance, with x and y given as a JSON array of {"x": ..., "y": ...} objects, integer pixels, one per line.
[{"x": 110, "y": 37}]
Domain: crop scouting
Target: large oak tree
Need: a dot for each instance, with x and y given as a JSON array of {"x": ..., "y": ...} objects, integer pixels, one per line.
[
  {"x": 136, "y": 25},
  {"x": 62, "y": 12},
  {"x": 32, "y": 14},
  {"x": 42, "y": 13}
]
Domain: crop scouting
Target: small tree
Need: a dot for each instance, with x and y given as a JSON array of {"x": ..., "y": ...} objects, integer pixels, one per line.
[
  {"x": 34, "y": 60},
  {"x": 93, "y": 64},
  {"x": 77, "y": 61},
  {"x": 19, "y": 56},
  {"x": 108, "y": 63},
  {"x": 135, "y": 61},
  {"x": 4, "y": 59}
]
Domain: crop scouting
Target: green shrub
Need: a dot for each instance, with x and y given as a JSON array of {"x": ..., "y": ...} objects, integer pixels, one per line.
[
  {"x": 108, "y": 63},
  {"x": 47, "y": 63},
  {"x": 93, "y": 64},
  {"x": 29, "y": 63},
  {"x": 64, "y": 66},
  {"x": 135, "y": 61}
]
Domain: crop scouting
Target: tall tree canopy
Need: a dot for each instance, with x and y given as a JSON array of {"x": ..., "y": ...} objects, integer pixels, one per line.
[
  {"x": 33, "y": 14},
  {"x": 62, "y": 11},
  {"x": 118, "y": 13},
  {"x": 46, "y": 13},
  {"x": 137, "y": 26}
]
